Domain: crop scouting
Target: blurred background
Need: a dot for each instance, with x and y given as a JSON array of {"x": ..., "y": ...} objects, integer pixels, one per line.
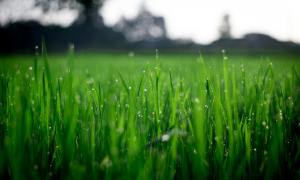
[{"x": 142, "y": 25}]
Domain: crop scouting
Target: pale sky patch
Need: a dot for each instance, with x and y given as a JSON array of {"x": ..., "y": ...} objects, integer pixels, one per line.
[
  {"x": 16, "y": 10},
  {"x": 199, "y": 19}
]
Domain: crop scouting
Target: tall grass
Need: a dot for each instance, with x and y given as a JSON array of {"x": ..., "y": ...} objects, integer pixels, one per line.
[{"x": 216, "y": 122}]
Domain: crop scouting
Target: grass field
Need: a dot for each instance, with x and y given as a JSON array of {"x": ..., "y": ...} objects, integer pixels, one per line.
[{"x": 151, "y": 116}]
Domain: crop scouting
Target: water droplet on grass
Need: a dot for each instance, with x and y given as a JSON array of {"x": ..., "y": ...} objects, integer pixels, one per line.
[
  {"x": 90, "y": 81},
  {"x": 165, "y": 138},
  {"x": 131, "y": 54},
  {"x": 106, "y": 162},
  {"x": 195, "y": 152}
]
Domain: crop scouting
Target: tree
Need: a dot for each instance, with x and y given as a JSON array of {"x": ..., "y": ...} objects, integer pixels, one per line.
[
  {"x": 225, "y": 27},
  {"x": 145, "y": 27},
  {"x": 89, "y": 8}
]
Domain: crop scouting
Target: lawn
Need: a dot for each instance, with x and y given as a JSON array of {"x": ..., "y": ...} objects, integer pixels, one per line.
[{"x": 149, "y": 116}]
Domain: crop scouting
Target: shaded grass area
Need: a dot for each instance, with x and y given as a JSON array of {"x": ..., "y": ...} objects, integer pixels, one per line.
[{"x": 106, "y": 116}]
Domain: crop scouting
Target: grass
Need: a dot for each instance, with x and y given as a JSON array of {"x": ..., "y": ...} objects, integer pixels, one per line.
[{"x": 106, "y": 116}]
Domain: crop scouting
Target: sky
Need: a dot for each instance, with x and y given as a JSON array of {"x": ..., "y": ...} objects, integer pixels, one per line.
[{"x": 187, "y": 19}]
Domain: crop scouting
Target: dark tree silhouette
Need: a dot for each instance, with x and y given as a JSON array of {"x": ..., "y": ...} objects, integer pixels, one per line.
[
  {"x": 225, "y": 27},
  {"x": 88, "y": 14},
  {"x": 145, "y": 26}
]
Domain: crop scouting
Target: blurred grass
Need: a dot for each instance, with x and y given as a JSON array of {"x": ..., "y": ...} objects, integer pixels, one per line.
[{"x": 149, "y": 116}]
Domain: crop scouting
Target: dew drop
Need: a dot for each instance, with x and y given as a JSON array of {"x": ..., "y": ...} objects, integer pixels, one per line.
[{"x": 165, "y": 138}]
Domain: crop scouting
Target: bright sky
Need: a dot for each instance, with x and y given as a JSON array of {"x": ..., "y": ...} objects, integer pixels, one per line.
[
  {"x": 15, "y": 10},
  {"x": 195, "y": 19}
]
